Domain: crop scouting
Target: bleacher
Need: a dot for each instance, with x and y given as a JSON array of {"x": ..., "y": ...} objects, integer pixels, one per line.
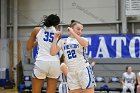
[{"x": 109, "y": 68}]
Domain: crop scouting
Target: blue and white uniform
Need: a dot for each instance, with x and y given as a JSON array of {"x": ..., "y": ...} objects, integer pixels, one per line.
[
  {"x": 46, "y": 65},
  {"x": 80, "y": 74},
  {"x": 128, "y": 81},
  {"x": 63, "y": 87}
]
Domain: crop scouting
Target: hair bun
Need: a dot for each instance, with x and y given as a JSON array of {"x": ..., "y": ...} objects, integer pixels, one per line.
[{"x": 72, "y": 21}]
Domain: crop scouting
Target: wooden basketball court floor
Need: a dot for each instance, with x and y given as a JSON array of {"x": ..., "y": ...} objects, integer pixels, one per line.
[{"x": 2, "y": 90}]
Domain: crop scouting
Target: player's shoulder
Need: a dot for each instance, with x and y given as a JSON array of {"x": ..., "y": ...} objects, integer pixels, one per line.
[
  {"x": 133, "y": 73},
  {"x": 36, "y": 30},
  {"x": 125, "y": 73}
]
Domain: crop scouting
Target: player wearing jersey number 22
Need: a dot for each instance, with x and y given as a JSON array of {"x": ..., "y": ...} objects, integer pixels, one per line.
[{"x": 80, "y": 74}]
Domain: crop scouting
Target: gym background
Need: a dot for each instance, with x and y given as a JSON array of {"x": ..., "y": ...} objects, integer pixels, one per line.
[{"x": 100, "y": 17}]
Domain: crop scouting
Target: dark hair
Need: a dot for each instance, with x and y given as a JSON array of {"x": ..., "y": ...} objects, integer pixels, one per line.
[
  {"x": 127, "y": 68},
  {"x": 62, "y": 59},
  {"x": 51, "y": 20},
  {"x": 74, "y": 22}
]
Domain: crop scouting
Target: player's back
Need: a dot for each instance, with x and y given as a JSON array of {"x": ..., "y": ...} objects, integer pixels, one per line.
[{"x": 45, "y": 39}]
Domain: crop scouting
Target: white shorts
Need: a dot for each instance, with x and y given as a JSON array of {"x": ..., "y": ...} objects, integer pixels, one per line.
[
  {"x": 81, "y": 79},
  {"x": 63, "y": 87},
  {"x": 44, "y": 69},
  {"x": 128, "y": 86}
]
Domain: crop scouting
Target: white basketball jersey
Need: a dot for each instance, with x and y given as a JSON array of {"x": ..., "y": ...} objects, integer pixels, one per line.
[
  {"x": 45, "y": 39},
  {"x": 75, "y": 54},
  {"x": 129, "y": 78}
]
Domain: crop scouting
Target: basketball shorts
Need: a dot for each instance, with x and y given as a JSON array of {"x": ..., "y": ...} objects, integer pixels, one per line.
[
  {"x": 81, "y": 79},
  {"x": 43, "y": 69}
]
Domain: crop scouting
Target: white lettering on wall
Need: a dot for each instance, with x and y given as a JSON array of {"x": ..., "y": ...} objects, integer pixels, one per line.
[
  {"x": 87, "y": 50},
  {"x": 119, "y": 41},
  {"x": 132, "y": 47},
  {"x": 102, "y": 49}
]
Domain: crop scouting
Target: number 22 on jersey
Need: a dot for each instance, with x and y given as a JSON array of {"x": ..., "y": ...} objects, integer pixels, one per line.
[{"x": 71, "y": 54}]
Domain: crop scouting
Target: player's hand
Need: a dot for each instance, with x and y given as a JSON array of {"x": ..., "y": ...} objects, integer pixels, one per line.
[
  {"x": 123, "y": 84},
  {"x": 93, "y": 63},
  {"x": 70, "y": 29},
  {"x": 57, "y": 34},
  {"x": 64, "y": 69}
]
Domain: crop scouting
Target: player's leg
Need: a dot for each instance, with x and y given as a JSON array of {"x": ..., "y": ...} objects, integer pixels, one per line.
[
  {"x": 125, "y": 88},
  {"x": 37, "y": 80},
  {"x": 53, "y": 73},
  {"x": 73, "y": 82},
  {"x": 51, "y": 85},
  {"x": 87, "y": 81},
  {"x": 75, "y": 91},
  {"x": 37, "y": 85},
  {"x": 89, "y": 90},
  {"x": 131, "y": 87}
]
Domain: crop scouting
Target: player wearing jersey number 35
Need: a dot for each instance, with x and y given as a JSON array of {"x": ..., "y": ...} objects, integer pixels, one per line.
[
  {"x": 46, "y": 66},
  {"x": 80, "y": 74}
]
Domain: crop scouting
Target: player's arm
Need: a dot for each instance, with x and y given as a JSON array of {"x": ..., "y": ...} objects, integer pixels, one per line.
[
  {"x": 122, "y": 80},
  {"x": 64, "y": 69},
  {"x": 138, "y": 78},
  {"x": 63, "y": 66},
  {"x": 81, "y": 40},
  {"x": 134, "y": 79},
  {"x": 31, "y": 41},
  {"x": 55, "y": 48}
]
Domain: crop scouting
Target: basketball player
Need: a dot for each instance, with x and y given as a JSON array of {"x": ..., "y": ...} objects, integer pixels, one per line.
[
  {"x": 128, "y": 80},
  {"x": 45, "y": 63},
  {"x": 80, "y": 74},
  {"x": 63, "y": 87},
  {"x": 138, "y": 82}
]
